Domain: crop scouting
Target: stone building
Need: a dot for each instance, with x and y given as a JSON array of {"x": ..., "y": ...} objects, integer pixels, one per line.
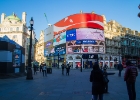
[
  {"x": 130, "y": 45},
  {"x": 39, "y": 49},
  {"x": 121, "y": 44},
  {"x": 16, "y": 29}
]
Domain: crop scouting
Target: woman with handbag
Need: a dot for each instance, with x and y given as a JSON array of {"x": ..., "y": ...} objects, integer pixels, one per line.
[
  {"x": 106, "y": 80},
  {"x": 97, "y": 79}
]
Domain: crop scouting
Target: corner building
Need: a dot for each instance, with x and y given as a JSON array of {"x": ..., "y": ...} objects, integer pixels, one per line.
[{"x": 74, "y": 36}]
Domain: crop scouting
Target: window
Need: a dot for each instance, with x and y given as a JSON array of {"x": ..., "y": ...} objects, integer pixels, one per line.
[
  {"x": 11, "y": 29},
  {"x": 15, "y": 36},
  {"x": 17, "y": 29}
]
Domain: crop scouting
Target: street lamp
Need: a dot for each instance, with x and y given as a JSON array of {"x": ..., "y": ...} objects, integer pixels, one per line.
[
  {"x": 29, "y": 71},
  {"x": 119, "y": 56},
  {"x": 58, "y": 58},
  {"x": 54, "y": 59},
  {"x": 139, "y": 12}
]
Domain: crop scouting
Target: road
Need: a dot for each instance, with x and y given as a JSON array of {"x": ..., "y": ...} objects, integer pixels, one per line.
[{"x": 55, "y": 86}]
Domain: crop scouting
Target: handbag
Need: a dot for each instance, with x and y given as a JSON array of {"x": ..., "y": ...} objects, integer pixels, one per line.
[{"x": 105, "y": 79}]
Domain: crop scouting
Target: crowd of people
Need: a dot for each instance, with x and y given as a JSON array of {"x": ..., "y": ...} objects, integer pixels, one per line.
[{"x": 99, "y": 78}]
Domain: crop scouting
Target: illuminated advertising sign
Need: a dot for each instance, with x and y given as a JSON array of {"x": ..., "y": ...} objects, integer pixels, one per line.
[
  {"x": 61, "y": 49},
  {"x": 88, "y": 33},
  {"x": 87, "y": 20},
  {"x": 48, "y": 47},
  {"x": 86, "y": 42},
  {"x": 85, "y": 46},
  {"x": 59, "y": 39},
  {"x": 71, "y": 35},
  {"x": 17, "y": 58}
]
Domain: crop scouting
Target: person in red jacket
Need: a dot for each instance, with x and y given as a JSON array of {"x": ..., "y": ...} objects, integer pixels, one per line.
[{"x": 130, "y": 77}]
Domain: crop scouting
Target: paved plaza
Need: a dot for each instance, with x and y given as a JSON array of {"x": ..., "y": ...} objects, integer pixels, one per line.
[{"x": 58, "y": 87}]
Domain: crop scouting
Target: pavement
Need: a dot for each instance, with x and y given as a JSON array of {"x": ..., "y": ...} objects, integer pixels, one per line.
[{"x": 56, "y": 86}]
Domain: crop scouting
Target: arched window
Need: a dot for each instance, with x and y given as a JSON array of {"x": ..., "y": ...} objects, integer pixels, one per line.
[{"x": 17, "y": 29}]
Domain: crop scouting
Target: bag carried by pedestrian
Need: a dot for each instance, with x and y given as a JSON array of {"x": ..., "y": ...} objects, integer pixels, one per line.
[{"x": 105, "y": 79}]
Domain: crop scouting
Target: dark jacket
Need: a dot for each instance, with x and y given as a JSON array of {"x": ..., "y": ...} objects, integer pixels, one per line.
[
  {"x": 120, "y": 67},
  {"x": 96, "y": 77},
  {"x": 130, "y": 74},
  {"x": 62, "y": 66}
]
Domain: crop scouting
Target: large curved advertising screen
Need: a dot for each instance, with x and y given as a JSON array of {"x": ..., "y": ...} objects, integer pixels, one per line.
[
  {"x": 84, "y": 20},
  {"x": 83, "y": 33},
  {"x": 85, "y": 40}
]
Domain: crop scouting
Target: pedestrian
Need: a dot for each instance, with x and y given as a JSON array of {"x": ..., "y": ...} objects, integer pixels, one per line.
[
  {"x": 67, "y": 69},
  {"x": 62, "y": 66},
  {"x": 40, "y": 67},
  {"x": 106, "y": 81},
  {"x": 105, "y": 67},
  {"x": 139, "y": 67},
  {"x": 130, "y": 77},
  {"x": 120, "y": 68},
  {"x": 35, "y": 69},
  {"x": 76, "y": 66},
  {"x": 97, "y": 79},
  {"x": 44, "y": 70}
]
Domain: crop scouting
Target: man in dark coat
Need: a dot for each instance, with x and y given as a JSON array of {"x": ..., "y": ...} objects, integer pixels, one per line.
[
  {"x": 67, "y": 69},
  {"x": 96, "y": 77},
  {"x": 130, "y": 77},
  {"x": 35, "y": 69},
  {"x": 120, "y": 68},
  {"x": 62, "y": 66}
]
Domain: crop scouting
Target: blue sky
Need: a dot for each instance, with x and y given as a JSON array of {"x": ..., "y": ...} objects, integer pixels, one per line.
[{"x": 123, "y": 11}]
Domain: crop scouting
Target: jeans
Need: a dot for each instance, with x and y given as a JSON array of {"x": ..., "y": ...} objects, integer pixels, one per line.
[
  {"x": 98, "y": 97},
  {"x": 131, "y": 90},
  {"x": 119, "y": 73},
  {"x": 62, "y": 71},
  {"x": 44, "y": 73}
]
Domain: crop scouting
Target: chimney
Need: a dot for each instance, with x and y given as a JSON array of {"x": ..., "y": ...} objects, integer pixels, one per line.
[
  {"x": 24, "y": 17},
  {"x": 92, "y": 12},
  {"x": 2, "y": 17},
  {"x": 81, "y": 11}
]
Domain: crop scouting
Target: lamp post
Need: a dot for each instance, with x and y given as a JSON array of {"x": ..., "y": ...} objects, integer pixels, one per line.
[
  {"x": 29, "y": 71},
  {"x": 54, "y": 59},
  {"x": 119, "y": 56},
  {"x": 58, "y": 59},
  {"x": 139, "y": 12}
]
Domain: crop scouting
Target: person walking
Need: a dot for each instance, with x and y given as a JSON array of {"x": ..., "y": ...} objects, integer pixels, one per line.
[
  {"x": 35, "y": 69},
  {"x": 120, "y": 68},
  {"x": 97, "y": 79},
  {"x": 40, "y": 67},
  {"x": 130, "y": 77},
  {"x": 44, "y": 70},
  {"x": 105, "y": 67},
  {"x": 62, "y": 66},
  {"x": 67, "y": 69}
]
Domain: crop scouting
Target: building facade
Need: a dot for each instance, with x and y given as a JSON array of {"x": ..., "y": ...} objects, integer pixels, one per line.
[
  {"x": 15, "y": 28},
  {"x": 121, "y": 44},
  {"x": 39, "y": 49}
]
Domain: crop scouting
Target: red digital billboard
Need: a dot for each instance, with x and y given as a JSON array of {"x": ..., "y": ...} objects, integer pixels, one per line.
[{"x": 81, "y": 20}]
